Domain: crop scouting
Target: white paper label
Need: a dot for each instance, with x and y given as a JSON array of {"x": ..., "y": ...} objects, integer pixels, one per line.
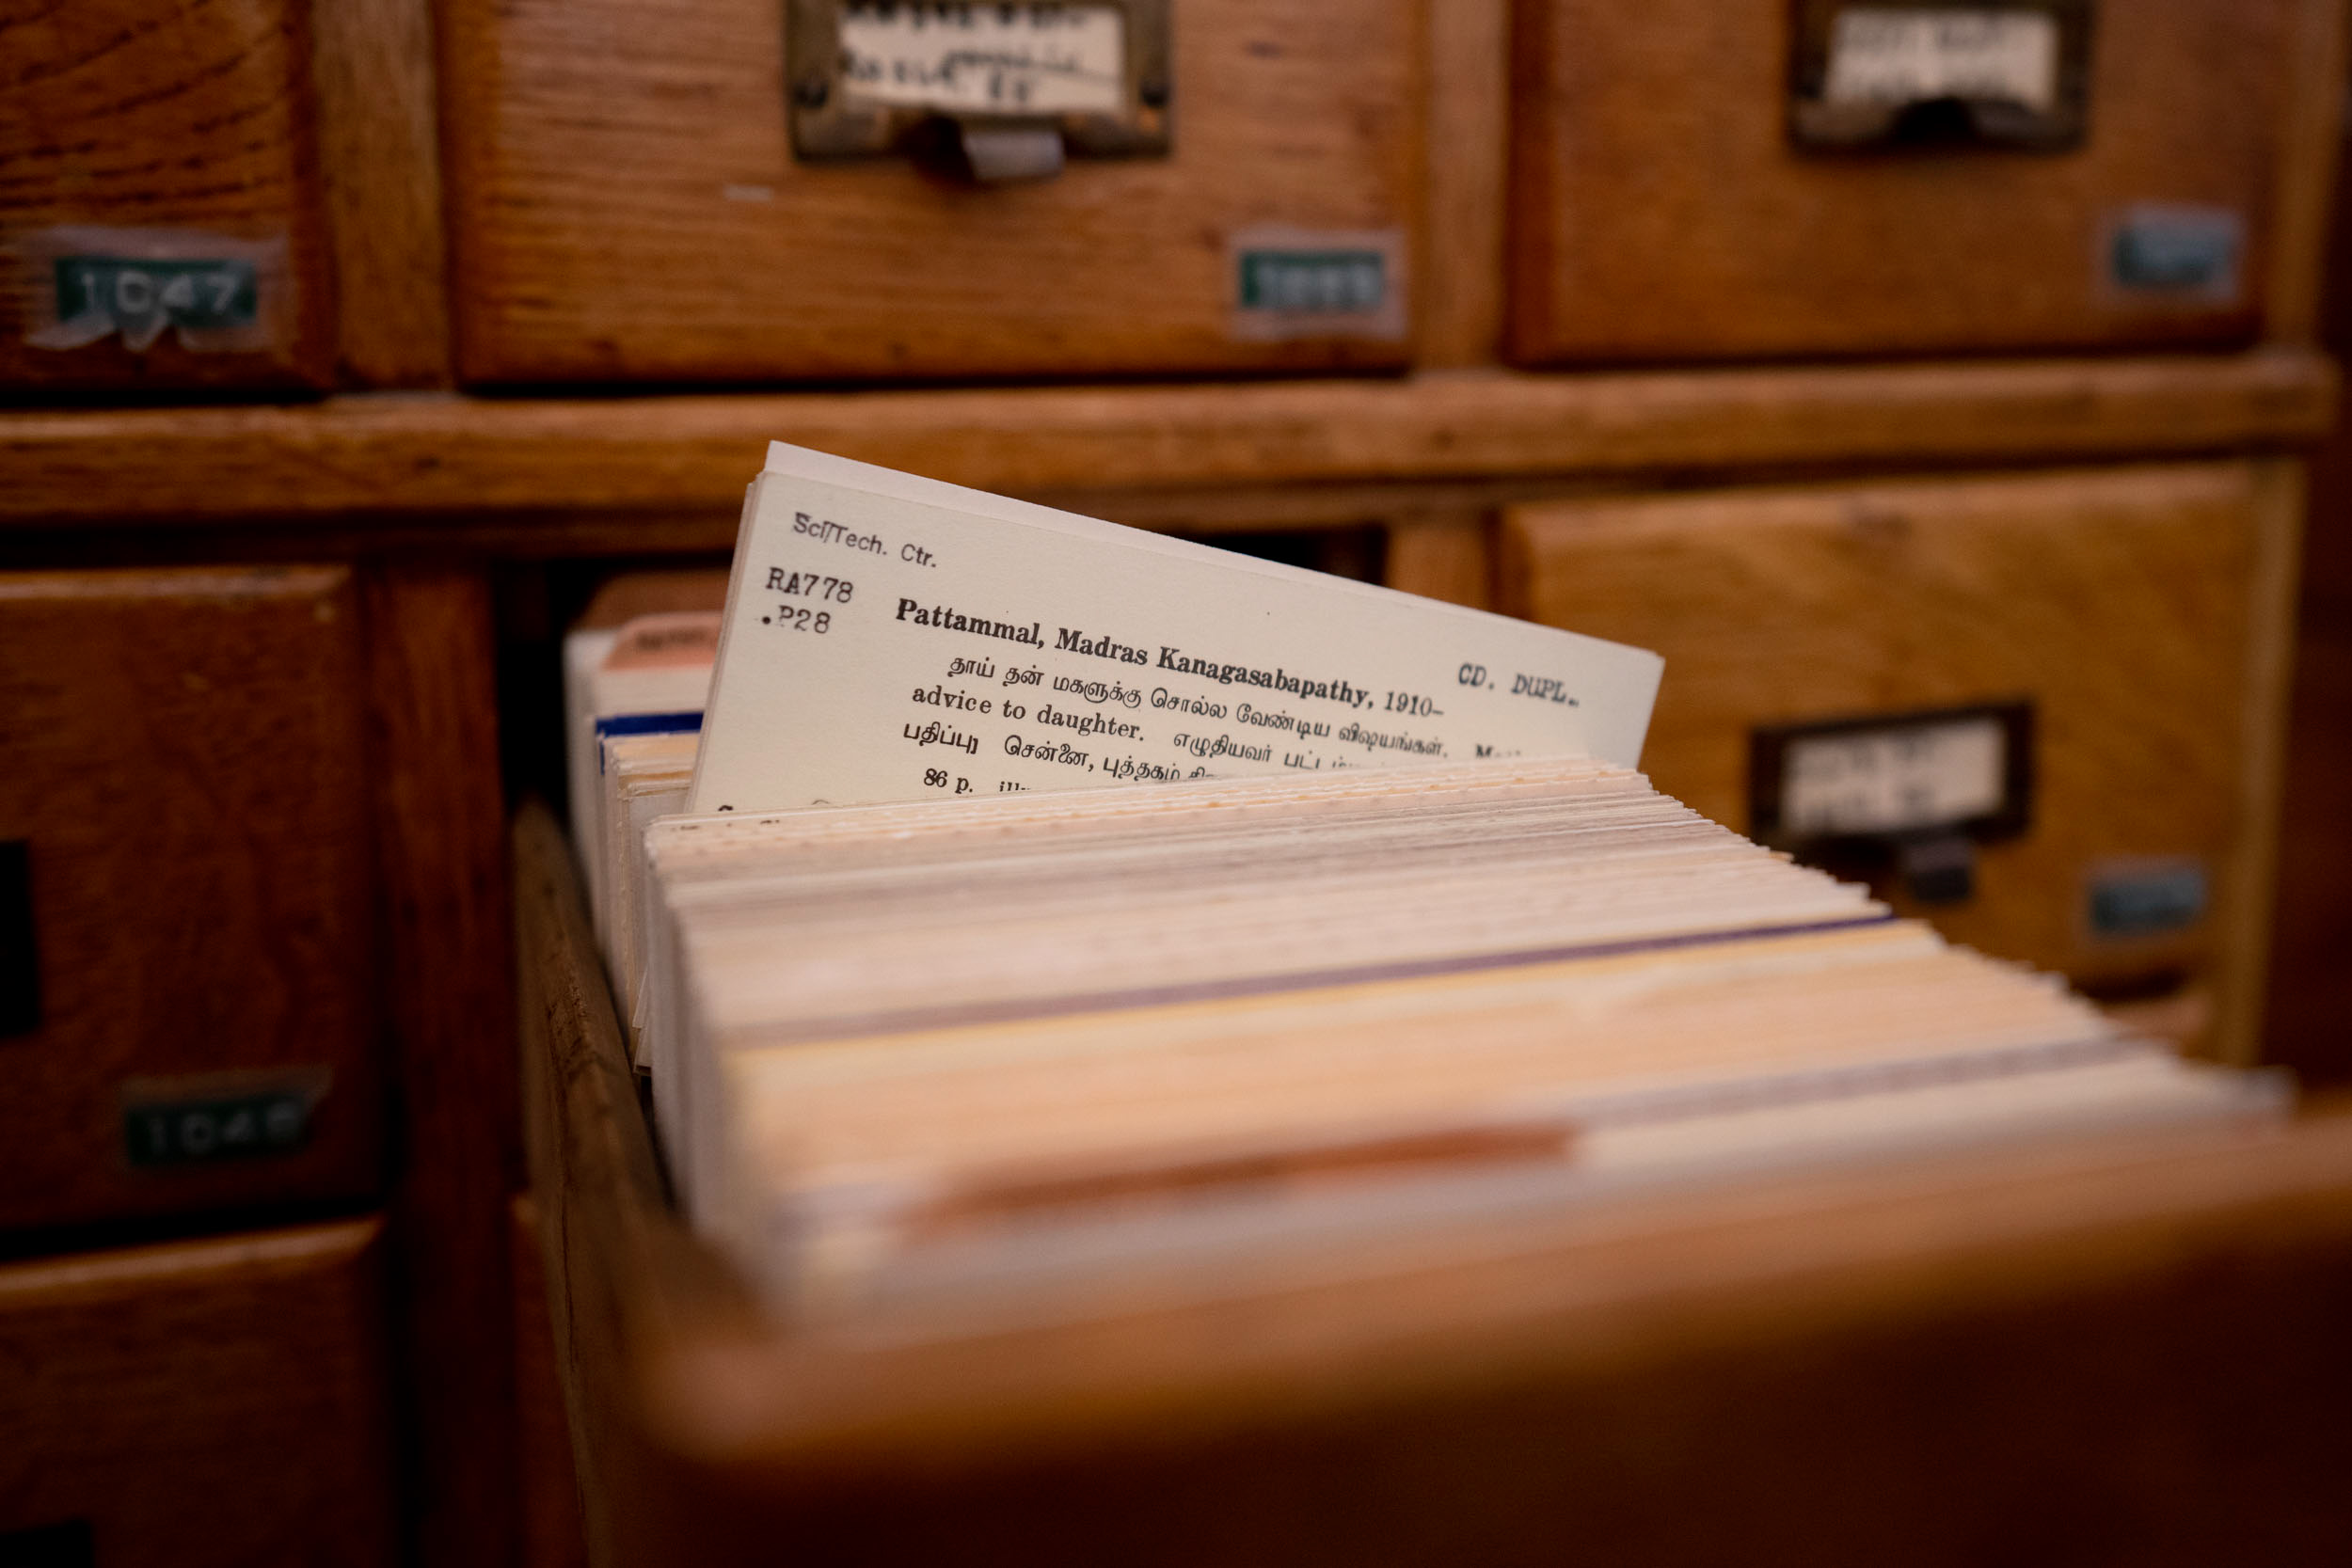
[
  {"x": 889, "y": 639},
  {"x": 1006, "y": 59},
  {"x": 1891, "y": 780},
  {"x": 1906, "y": 56}
]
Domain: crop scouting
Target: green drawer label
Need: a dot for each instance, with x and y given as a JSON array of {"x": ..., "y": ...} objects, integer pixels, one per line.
[
  {"x": 1314, "y": 282},
  {"x": 140, "y": 298},
  {"x": 215, "y": 1128}
]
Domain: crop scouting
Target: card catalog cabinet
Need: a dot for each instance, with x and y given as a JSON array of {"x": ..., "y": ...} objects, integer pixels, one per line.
[
  {"x": 187, "y": 1019},
  {"x": 2026, "y": 707},
  {"x": 1729, "y": 178},
  {"x": 161, "y": 218},
  {"x": 198, "y": 1403},
  {"x": 747, "y": 190}
]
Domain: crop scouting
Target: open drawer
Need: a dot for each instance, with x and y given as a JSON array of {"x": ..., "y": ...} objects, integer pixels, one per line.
[{"x": 2129, "y": 1346}]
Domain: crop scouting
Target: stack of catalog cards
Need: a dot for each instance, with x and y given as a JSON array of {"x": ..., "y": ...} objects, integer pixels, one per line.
[{"x": 1046, "y": 918}]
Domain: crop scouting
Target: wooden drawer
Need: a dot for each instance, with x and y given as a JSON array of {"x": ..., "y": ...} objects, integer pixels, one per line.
[
  {"x": 2135, "y": 614},
  {"x": 1667, "y": 206},
  {"x": 161, "y": 224},
  {"x": 192, "y": 1019},
  {"x": 1794, "y": 1371},
  {"x": 628, "y": 204},
  {"x": 550, "y": 1494},
  {"x": 218, "y": 1401}
]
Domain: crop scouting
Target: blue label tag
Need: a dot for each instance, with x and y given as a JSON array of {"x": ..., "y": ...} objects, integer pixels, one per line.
[
  {"x": 2177, "y": 250},
  {"x": 649, "y": 723},
  {"x": 2147, "y": 902}
]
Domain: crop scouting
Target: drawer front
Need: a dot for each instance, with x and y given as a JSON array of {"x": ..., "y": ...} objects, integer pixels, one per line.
[
  {"x": 190, "y": 1019},
  {"x": 629, "y": 204},
  {"x": 1668, "y": 205},
  {"x": 161, "y": 225},
  {"x": 219, "y": 1402},
  {"x": 2116, "y": 612}
]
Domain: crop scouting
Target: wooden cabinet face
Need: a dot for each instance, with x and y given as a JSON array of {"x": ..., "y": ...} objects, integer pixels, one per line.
[
  {"x": 1667, "y": 207},
  {"x": 193, "y": 1020},
  {"x": 159, "y": 220},
  {"x": 628, "y": 205},
  {"x": 2120, "y": 607},
  {"x": 198, "y": 1403}
]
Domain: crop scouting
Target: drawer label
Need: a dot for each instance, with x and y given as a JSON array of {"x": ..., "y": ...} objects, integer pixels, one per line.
[
  {"x": 1888, "y": 781},
  {"x": 1032, "y": 58},
  {"x": 1298, "y": 283},
  {"x": 140, "y": 283},
  {"x": 1909, "y": 57},
  {"x": 1313, "y": 282},
  {"x": 101, "y": 294},
  {"x": 2180, "y": 252},
  {"x": 1891, "y": 74},
  {"x": 215, "y": 1117},
  {"x": 2150, "y": 898},
  {"x": 1895, "y": 775}
]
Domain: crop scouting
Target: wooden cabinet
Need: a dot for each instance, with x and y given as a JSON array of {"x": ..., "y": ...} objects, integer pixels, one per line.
[
  {"x": 193, "y": 1022},
  {"x": 1672, "y": 200},
  {"x": 2134, "y": 617},
  {"x": 161, "y": 219},
  {"x": 198, "y": 1403},
  {"x": 635, "y": 197}
]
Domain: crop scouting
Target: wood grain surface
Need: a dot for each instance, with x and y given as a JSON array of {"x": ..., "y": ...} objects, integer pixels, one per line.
[
  {"x": 187, "y": 765},
  {"x": 550, "y": 1490},
  {"x": 379, "y": 146},
  {"x": 461, "y": 458},
  {"x": 2138, "y": 609},
  {"x": 2113, "y": 1349},
  {"x": 628, "y": 205},
  {"x": 202, "y": 1403},
  {"x": 432, "y": 660},
  {"x": 1449, "y": 557},
  {"x": 2265, "y": 700},
  {"x": 187, "y": 116},
  {"x": 1468, "y": 181},
  {"x": 1661, "y": 212}
]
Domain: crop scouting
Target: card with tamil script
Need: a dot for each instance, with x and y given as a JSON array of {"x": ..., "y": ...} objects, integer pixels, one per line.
[{"x": 889, "y": 638}]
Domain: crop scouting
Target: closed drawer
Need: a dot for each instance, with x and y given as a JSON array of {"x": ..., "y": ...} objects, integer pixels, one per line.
[
  {"x": 187, "y": 886},
  {"x": 2105, "y": 633},
  {"x": 630, "y": 201},
  {"x": 161, "y": 222},
  {"x": 202, "y": 1402},
  {"x": 1679, "y": 192}
]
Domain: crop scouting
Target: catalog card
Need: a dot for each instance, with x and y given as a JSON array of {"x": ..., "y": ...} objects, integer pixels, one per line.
[{"x": 890, "y": 637}]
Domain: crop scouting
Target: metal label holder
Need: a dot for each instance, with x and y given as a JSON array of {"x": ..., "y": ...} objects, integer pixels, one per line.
[
  {"x": 1935, "y": 860},
  {"x": 1818, "y": 123},
  {"x": 831, "y": 122}
]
